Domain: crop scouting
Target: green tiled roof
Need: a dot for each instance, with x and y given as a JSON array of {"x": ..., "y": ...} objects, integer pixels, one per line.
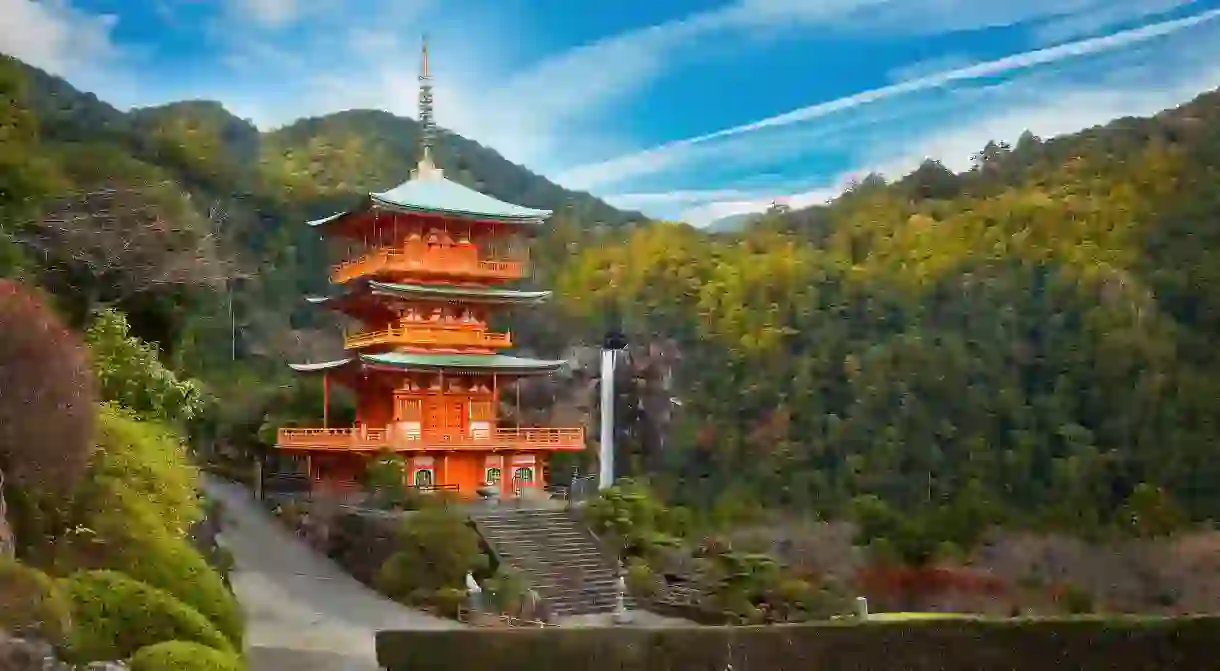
[
  {"x": 434, "y": 194},
  {"x": 439, "y": 195},
  {"x": 420, "y": 361},
  {"x": 441, "y": 292},
  {"x": 448, "y": 291},
  {"x": 409, "y": 360}
]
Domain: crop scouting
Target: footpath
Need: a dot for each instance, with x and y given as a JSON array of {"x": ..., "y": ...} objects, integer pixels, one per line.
[{"x": 303, "y": 612}]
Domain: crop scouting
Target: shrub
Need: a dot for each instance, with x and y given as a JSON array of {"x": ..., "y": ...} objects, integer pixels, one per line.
[
  {"x": 1075, "y": 600},
  {"x": 130, "y": 515},
  {"x": 125, "y": 540},
  {"x": 152, "y": 462},
  {"x": 448, "y": 600},
  {"x": 115, "y": 615},
  {"x": 435, "y": 549},
  {"x": 640, "y": 578},
  {"x": 506, "y": 590},
  {"x": 385, "y": 478},
  {"x": 131, "y": 373},
  {"x": 46, "y": 407},
  {"x": 182, "y": 656},
  {"x": 31, "y": 604}
]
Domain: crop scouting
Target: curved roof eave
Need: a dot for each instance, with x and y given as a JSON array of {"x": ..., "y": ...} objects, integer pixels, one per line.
[
  {"x": 449, "y": 291},
  {"x": 319, "y": 367}
]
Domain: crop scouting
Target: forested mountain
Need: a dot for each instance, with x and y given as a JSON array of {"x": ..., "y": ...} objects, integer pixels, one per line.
[{"x": 1032, "y": 342}]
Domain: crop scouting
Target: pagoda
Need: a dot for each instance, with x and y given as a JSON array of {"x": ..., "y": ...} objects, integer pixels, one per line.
[{"x": 426, "y": 370}]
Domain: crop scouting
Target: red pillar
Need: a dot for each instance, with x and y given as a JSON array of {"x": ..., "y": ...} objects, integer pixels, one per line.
[{"x": 325, "y": 400}]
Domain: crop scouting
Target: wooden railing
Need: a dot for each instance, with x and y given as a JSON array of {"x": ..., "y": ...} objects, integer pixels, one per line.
[
  {"x": 465, "y": 265},
  {"x": 350, "y": 438},
  {"x": 377, "y": 439},
  {"x": 456, "y": 336}
]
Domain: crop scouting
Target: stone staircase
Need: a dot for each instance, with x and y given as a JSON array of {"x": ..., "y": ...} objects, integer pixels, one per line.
[{"x": 557, "y": 556}]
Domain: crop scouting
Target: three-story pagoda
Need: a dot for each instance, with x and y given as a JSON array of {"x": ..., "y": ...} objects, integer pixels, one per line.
[{"x": 425, "y": 368}]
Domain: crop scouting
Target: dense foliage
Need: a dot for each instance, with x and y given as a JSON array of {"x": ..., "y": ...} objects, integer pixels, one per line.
[
  {"x": 435, "y": 549},
  {"x": 131, "y": 373},
  {"x": 182, "y": 656},
  {"x": 31, "y": 604},
  {"x": 1031, "y": 342},
  {"x": 46, "y": 407},
  {"x": 115, "y": 616}
]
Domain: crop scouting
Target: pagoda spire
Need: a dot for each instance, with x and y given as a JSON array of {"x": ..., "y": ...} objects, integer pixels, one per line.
[{"x": 427, "y": 126}]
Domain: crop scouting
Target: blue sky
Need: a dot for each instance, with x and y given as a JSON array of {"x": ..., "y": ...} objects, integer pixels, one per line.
[{"x": 685, "y": 109}]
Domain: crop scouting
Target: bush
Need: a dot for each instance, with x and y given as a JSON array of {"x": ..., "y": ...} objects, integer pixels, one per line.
[
  {"x": 436, "y": 548},
  {"x": 152, "y": 462},
  {"x": 46, "y": 406},
  {"x": 641, "y": 580},
  {"x": 182, "y": 656},
  {"x": 31, "y": 604},
  {"x": 131, "y": 514},
  {"x": 114, "y": 616},
  {"x": 505, "y": 591},
  {"x": 929, "y": 645},
  {"x": 140, "y": 479},
  {"x": 385, "y": 479},
  {"x": 131, "y": 373},
  {"x": 161, "y": 560},
  {"x": 448, "y": 601}
]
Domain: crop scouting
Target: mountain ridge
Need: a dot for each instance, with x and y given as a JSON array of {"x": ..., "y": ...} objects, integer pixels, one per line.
[{"x": 326, "y": 147}]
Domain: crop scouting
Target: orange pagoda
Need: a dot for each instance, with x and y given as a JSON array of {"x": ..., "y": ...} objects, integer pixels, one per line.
[{"x": 424, "y": 366}]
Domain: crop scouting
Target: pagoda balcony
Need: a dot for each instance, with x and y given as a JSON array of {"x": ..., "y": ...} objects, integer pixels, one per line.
[
  {"x": 375, "y": 439},
  {"x": 452, "y": 263},
  {"x": 439, "y": 336}
]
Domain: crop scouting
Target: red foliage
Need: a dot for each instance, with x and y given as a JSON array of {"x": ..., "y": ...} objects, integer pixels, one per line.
[
  {"x": 47, "y": 393},
  {"x": 910, "y": 584}
]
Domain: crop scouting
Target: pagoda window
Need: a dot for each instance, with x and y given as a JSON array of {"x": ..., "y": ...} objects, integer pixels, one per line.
[
  {"x": 492, "y": 475},
  {"x": 523, "y": 475},
  {"x": 424, "y": 478}
]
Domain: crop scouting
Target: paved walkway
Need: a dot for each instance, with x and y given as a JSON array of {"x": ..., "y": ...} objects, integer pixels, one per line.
[{"x": 303, "y": 612}]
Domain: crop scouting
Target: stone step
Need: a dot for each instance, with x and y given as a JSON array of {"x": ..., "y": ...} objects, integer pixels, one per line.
[
  {"x": 569, "y": 558},
  {"x": 557, "y": 556},
  {"x": 533, "y": 531},
  {"x": 525, "y": 515},
  {"x": 609, "y": 586}
]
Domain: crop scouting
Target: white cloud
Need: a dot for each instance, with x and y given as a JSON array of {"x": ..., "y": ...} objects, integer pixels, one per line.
[
  {"x": 671, "y": 154},
  {"x": 269, "y": 12},
  {"x": 545, "y": 111},
  {"x": 1046, "y": 110},
  {"x": 1102, "y": 17},
  {"x": 53, "y": 36}
]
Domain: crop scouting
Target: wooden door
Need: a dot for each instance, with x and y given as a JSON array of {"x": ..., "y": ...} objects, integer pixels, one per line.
[
  {"x": 455, "y": 416},
  {"x": 434, "y": 415}
]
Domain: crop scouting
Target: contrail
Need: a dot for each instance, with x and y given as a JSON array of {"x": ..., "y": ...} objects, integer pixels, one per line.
[{"x": 650, "y": 160}]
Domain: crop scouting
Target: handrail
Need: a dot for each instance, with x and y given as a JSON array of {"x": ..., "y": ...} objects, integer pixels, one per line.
[
  {"x": 379, "y": 438},
  {"x": 439, "y": 335},
  {"x": 456, "y": 264}
]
